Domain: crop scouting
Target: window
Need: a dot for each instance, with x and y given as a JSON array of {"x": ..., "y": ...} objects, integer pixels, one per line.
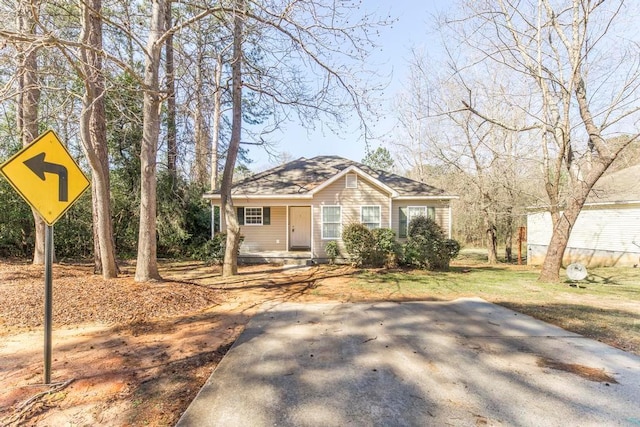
[
  {"x": 414, "y": 211},
  {"x": 253, "y": 216},
  {"x": 331, "y": 220},
  {"x": 351, "y": 180},
  {"x": 406, "y": 214},
  {"x": 370, "y": 216}
]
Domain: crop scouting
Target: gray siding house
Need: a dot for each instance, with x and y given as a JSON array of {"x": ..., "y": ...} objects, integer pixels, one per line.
[
  {"x": 607, "y": 231},
  {"x": 295, "y": 209}
]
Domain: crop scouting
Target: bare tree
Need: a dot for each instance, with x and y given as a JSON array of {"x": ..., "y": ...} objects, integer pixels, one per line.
[
  {"x": 460, "y": 151},
  {"x": 93, "y": 134},
  {"x": 172, "y": 143},
  {"x": 147, "y": 263},
  {"x": 29, "y": 98},
  {"x": 581, "y": 90},
  {"x": 215, "y": 129},
  {"x": 230, "y": 265},
  {"x": 325, "y": 37}
]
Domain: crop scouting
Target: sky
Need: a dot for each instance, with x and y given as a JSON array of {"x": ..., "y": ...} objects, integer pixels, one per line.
[{"x": 411, "y": 30}]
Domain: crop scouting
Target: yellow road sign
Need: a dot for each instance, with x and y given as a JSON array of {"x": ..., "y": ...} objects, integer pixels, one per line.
[{"x": 46, "y": 176}]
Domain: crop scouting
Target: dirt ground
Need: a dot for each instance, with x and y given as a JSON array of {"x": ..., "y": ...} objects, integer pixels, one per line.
[
  {"x": 134, "y": 354},
  {"x": 126, "y": 353}
]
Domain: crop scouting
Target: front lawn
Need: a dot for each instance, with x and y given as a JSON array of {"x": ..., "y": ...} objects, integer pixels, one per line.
[{"x": 605, "y": 306}]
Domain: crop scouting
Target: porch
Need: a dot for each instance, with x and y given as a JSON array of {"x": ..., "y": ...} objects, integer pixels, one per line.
[{"x": 275, "y": 257}]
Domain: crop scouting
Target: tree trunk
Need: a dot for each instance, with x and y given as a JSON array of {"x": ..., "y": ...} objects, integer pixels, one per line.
[
  {"x": 27, "y": 111},
  {"x": 97, "y": 260},
  {"x": 93, "y": 132},
  {"x": 558, "y": 244},
  {"x": 230, "y": 265},
  {"x": 201, "y": 131},
  {"x": 492, "y": 250},
  {"x": 172, "y": 144},
  {"x": 147, "y": 262},
  {"x": 562, "y": 228},
  {"x": 217, "y": 113},
  {"x": 508, "y": 239}
]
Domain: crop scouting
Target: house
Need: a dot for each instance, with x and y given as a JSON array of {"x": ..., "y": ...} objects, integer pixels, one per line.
[
  {"x": 607, "y": 231},
  {"x": 294, "y": 210}
]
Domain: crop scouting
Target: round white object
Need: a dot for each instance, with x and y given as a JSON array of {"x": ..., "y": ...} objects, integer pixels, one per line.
[{"x": 576, "y": 271}]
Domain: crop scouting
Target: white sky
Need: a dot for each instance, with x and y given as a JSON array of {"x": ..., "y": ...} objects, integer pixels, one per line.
[{"x": 412, "y": 29}]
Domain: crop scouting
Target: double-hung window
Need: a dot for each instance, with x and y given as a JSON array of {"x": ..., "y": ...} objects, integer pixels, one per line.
[
  {"x": 253, "y": 216},
  {"x": 406, "y": 214},
  {"x": 415, "y": 211},
  {"x": 370, "y": 216},
  {"x": 331, "y": 221}
]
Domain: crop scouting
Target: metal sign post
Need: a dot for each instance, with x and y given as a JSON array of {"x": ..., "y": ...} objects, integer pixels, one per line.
[
  {"x": 48, "y": 300},
  {"x": 49, "y": 179}
]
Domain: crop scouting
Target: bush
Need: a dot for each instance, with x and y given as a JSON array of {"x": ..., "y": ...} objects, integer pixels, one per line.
[
  {"x": 332, "y": 250},
  {"x": 427, "y": 247},
  {"x": 387, "y": 249},
  {"x": 213, "y": 250},
  {"x": 359, "y": 243},
  {"x": 370, "y": 248}
]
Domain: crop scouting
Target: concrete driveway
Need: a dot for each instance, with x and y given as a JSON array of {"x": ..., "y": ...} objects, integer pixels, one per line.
[{"x": 463, "y": 363}]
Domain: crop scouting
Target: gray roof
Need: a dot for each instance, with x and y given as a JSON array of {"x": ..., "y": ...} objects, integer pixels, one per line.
[
  {"x": 303, "y": 175},
  {"x": 619, "y": 186}
]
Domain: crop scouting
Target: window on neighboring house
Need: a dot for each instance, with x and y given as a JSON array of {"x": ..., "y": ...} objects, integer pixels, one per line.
[
  {"x": 331, "y": 221},
  {"x": 253, "y": 216},
  {"x": 370, "y": 216},
  {"x": 351, "y": 180}
]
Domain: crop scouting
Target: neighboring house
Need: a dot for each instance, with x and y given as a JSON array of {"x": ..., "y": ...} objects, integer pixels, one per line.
[
  {"x": 295, "y": 209},
  {"x": 607, "y": 231}
]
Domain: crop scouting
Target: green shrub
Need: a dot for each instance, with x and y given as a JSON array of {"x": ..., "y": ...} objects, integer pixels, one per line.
[
  {"x": 387, "y": 249},
  {"x": 427, "y": 247},
  {"x": 332, "y": 250},
  {"x": 213, "y": 250},
  {"x": 370, "y": 248},
  {"x": 359, "y": 243}
]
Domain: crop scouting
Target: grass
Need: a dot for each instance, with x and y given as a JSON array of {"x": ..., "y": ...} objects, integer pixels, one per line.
[{"x": 605, "y": 306}]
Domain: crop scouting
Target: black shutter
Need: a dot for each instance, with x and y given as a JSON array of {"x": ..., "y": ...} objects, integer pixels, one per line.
[
  {"x": 240, "y": 216},
  {"x": 266, "y": 216},
  {"x": 402, "y": 223}
]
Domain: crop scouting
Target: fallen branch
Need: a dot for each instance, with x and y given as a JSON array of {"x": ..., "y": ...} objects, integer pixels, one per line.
[{"x": 24, "y": 408}]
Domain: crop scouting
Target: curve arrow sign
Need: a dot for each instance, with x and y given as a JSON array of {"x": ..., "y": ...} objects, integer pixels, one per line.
[{"x": 38, "y": 166}]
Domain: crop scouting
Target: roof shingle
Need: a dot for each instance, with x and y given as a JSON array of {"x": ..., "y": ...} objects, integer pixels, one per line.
[{"x": 303, "y": 175}]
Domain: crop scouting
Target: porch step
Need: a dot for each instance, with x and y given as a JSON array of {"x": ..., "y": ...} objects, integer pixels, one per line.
[{"x": 285, "y": 258}]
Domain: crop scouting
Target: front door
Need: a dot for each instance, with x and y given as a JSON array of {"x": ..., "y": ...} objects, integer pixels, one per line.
[{"x": 300, "y": 227}]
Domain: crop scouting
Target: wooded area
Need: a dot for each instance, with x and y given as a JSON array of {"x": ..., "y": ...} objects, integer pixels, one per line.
[
  {"x": 529, "y": 104},
  {"x": 145, "y": 90}
]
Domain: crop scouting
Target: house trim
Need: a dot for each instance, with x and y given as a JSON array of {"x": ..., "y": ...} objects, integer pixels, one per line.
[
  {"x": 260, "y": 196},
  {"x": 400, "y": 198}
]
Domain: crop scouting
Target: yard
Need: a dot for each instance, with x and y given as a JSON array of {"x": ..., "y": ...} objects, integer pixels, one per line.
[{"x": 136, "y": 354}]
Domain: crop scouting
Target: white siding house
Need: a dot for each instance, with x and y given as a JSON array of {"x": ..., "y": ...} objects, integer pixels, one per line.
[{"x": 607, "y": 231}]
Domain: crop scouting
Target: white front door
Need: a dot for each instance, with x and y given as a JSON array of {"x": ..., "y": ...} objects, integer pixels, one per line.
[{"x": 300, "y": 227}]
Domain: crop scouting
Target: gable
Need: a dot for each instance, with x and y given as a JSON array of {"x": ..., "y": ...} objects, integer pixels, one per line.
[{"x": 350, "y": 172}]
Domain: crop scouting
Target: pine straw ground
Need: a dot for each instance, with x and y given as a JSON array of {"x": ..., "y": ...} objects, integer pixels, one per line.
[{"x": 125, "y": 353}]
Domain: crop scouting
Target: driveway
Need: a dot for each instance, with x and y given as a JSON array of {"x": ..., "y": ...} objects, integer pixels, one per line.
[{"x": 463, "y": 362}]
